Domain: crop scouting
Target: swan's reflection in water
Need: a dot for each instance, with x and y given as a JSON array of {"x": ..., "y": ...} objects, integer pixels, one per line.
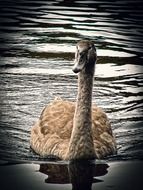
[{"x": 81, "y": 174}]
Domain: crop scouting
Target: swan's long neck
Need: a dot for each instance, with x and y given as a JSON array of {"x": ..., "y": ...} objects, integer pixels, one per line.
[
  {"x": 81, "y": 143},
  {"x": 84, "y": 98}
]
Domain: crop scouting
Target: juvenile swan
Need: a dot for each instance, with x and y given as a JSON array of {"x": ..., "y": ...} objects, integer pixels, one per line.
[{"x": 75, "y": 131}]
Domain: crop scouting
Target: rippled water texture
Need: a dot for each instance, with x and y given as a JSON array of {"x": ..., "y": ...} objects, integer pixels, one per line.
[{"x": 37, "y": 51}]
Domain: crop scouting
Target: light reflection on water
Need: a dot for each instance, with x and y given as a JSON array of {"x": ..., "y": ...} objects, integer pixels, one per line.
[{"x": 38, "y": 43}]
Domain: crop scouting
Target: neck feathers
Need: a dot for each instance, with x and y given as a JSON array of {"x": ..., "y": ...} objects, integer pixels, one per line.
[{"x": 81, "y": 143}]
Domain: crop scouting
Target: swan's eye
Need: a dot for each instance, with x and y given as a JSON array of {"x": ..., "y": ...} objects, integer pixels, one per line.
[{"x": 92, "y": 47}]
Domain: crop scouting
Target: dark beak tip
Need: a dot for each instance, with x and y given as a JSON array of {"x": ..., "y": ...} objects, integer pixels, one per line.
[{"x": 75, "y": 70}]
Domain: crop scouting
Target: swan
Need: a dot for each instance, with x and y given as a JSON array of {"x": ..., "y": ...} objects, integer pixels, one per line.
[{"x": 73, "y": 131}]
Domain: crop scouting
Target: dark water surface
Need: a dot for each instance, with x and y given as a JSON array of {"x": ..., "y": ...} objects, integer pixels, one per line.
[{"x": 37, "y": 51}]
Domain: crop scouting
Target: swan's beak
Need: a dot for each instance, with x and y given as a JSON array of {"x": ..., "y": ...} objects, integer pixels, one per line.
[
  {"x": 79, "y": 64},
  {"x": 77, "y": 67}
]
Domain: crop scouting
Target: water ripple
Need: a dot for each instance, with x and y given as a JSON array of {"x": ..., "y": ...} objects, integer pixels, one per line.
[{"x": 97, "y": 21}]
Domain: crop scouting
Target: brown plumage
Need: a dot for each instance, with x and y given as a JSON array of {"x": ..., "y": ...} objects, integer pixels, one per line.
[{"x": 75, "y": 130}]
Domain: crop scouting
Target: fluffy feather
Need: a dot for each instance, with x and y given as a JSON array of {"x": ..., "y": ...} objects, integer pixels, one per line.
[{"x": 51, "y": 133}]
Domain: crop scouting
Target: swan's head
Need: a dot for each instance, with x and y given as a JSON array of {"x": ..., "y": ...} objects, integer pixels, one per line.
[{"x": 85, "y": 55}]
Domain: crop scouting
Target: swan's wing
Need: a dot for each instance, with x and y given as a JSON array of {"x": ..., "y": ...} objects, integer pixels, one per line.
[
  {"x": 57, "y": 118},
  {"x": 103, "y": 137},
  {"x": 51, "y": 133},
  {"x": 100, "y": 121}
]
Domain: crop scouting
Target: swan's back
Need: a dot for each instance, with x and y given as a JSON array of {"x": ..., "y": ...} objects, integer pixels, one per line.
[{"x": 51, "y": 134}]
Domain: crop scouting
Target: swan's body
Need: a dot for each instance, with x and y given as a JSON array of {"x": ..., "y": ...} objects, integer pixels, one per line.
[{"x": 75, "y": 131}]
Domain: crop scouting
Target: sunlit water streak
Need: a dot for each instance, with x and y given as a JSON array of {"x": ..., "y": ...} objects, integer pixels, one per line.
[{"x": 38, "y": 42}]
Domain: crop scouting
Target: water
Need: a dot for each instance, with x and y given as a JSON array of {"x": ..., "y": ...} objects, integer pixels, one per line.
[{"x": 37, "y": 51}]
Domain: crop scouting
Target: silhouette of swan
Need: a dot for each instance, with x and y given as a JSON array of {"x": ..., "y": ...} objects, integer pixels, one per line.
[{"x": 72, "y": 131}]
